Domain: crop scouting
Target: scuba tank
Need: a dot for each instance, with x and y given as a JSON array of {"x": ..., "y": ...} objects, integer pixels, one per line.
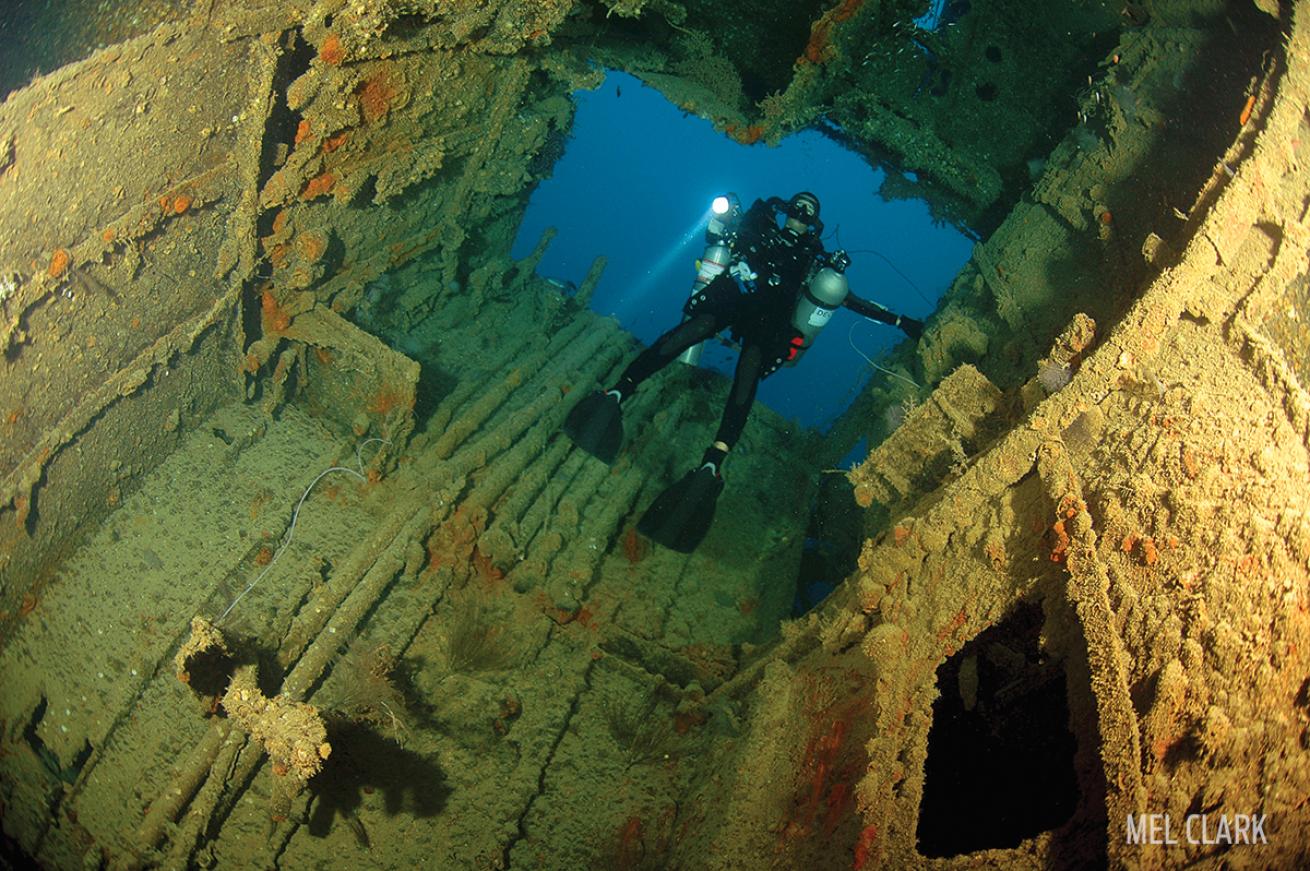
[
  {"x": 709, "y": 267},
  {"x": 717, "y": 256},
  {"x": 824, "y": 293}
]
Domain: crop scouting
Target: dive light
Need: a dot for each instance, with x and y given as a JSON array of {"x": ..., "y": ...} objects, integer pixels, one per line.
[{"x": 723, "y": 213}]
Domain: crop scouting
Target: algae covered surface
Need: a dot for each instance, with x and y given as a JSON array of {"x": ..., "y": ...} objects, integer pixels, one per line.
[{"x": 298, "y": 570}]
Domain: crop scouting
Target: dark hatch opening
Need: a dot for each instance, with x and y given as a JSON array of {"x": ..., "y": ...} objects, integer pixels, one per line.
[{"x": 1000, "y": 753}]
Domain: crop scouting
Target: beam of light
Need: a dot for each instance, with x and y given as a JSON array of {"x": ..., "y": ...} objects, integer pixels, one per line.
[{"x": 660, "y": 272}]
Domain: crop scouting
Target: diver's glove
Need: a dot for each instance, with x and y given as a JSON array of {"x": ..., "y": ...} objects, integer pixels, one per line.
[
  {"x": 743, "y": 271},
  {"x": 909, "y": 326}
]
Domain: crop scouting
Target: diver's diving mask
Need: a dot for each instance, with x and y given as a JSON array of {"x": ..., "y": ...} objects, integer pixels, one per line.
[{"x": 803, "y": 213}]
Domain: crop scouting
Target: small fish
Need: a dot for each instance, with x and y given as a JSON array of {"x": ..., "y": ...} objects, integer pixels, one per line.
[
  {"x": 566, "y": 287},
  {"x": 618, "y": 91}
]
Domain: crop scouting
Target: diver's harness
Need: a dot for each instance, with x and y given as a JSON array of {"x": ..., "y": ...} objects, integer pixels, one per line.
[{"x": 823, "y": 290}]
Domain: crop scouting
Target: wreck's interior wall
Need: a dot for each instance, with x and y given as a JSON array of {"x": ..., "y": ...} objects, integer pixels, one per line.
[{"x": 256, "y": 262}]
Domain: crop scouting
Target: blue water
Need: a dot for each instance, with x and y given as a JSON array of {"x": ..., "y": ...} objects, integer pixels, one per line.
[{"x": 635, "y": 184}]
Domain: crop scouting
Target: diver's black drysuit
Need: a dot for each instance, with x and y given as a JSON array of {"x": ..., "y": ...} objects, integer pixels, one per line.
[{"x": 774, "y": 263}]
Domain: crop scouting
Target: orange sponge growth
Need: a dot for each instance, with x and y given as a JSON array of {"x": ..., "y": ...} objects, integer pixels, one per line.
[
  {"x": 318, "y": 186},
  {"x": 273, "y": 317},
  {"x": 634, "y": 547},
  {"x": 311, "y": 246},
  {"x": 388, "y": 398},
  {"x": 748, "y": 135},
  {"x": 332, "y": 143},
  {"x": 1058, "y": 541},
  {"x": 59, "y": 262},
  {"x": 864, "y": 847},
  {"x": 375, "y": 97},
  {"x": 847, "y": 10},
  {"x": 332, "y": 52},
  {"x": 818, "y": 50},
  {"x": 630, "y": 844}
]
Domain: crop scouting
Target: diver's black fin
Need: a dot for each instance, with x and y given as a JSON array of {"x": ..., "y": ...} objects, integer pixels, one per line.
[
  {"x": 596, "y": 425},
  {"x": 681, "y": 515}
]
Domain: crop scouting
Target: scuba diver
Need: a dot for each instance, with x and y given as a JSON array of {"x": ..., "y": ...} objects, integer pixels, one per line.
[{"x": 766, "y": 277}]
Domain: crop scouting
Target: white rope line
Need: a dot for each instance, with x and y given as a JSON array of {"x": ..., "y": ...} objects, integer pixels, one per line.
[
  {"x": 295, "y": 516},
  {"x": 850, "y": 337}
]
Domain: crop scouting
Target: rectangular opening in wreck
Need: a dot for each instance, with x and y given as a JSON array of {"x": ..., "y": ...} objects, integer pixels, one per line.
[
  {"x": 633, "y": 182},
  {"x": 1000, "y": 754}
]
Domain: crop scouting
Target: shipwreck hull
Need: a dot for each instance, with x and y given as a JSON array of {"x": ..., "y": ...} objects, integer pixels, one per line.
[{"x": 268, "y": 361}]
